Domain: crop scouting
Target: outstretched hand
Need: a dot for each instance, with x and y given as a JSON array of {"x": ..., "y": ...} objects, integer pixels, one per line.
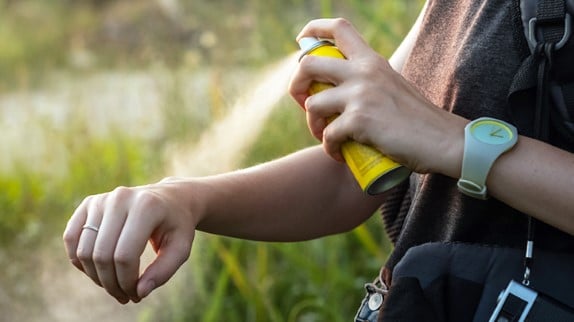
[{"x": 107, "y": 234}]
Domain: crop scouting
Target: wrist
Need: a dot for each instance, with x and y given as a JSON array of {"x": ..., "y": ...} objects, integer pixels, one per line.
[
  {"x": 455, "y": 152},
  {"x": 186, "y": 194},
  {"x": 486, "y": 139},
  {"x": 448, "y": 149}
]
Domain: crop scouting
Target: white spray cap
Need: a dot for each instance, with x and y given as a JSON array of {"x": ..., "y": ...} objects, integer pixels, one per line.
[{"x": 307, "y": 44}]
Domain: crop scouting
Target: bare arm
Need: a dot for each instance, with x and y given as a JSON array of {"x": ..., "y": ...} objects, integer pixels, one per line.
[
  {"x": 298, "y": 197},
  {"x": 533, "y": 177},
  {"x": 400, "y": 54},
  {"x": 537, "y": 179},
  {"x": 302, "y": 196}
]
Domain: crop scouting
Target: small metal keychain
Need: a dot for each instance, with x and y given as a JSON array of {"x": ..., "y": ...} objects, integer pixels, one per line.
[{"x": 372, "y": 302}]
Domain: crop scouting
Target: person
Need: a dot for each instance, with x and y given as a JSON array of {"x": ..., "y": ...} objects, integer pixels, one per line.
[{"x": 454, "y": 66}]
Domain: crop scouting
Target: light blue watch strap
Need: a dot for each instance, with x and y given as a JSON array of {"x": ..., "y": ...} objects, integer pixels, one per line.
[{"x": 485, "y": 139}]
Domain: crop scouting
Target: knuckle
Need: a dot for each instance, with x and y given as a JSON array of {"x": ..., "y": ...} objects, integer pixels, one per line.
[
  {"x": 69, "y": 238},
  {"x": 310, "y": 106},
  {"x": 341, "y": 22},
  {"x": 83, "y": 254},
  {"x": 124, "y": 258},
  {"x": 328, "y": 135},
  {"x": 306, "y": 61},
  {"x": 101, "y": 258},
  {"x": 147, "y": 199},
  {"x": 121, "y": 192},
  {"x": 86, "y": 201}
]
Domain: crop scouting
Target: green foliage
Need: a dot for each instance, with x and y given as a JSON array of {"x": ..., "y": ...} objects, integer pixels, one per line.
[
  {"x": 285, "y": 132},
  {"x": 20, "y": 195},
  {"x": 38, "y": 36},
  {"x": 34, "y": 37},
  {"x": 29, "y": 200},
  {"x": 235, "y": 280}
]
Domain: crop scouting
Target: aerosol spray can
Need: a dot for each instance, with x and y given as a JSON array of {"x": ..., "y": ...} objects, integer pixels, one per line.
[{"x": 374, "y": 172}]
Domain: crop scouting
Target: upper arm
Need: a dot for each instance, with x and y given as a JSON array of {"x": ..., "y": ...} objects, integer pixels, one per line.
[{"x": 403, "y": 50}]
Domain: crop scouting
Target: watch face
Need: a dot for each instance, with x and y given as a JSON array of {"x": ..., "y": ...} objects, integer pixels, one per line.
[{"x": 491, "y": 132}]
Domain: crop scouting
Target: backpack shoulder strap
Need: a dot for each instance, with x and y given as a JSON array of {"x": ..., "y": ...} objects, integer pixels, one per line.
[{"x": 541, "y": 97}]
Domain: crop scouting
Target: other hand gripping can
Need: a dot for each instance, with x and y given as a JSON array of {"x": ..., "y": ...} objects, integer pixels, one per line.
[{"x": 374, "y": 172}]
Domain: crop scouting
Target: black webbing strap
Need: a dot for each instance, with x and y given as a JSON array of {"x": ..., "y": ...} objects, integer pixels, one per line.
[
  {"x": 544, "y": 53},
  {"x": 550, "y": 20},
  {"x": 540, "y": 95},
  {"x": 550, "y": 24},
  {"x": 547, "y": 32}
]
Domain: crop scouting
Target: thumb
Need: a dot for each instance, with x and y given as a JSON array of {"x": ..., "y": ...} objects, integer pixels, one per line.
[{"x": 170, "y": 256}]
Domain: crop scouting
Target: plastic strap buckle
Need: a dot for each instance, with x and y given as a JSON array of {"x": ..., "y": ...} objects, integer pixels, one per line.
[{"x": 532, "y": 26}]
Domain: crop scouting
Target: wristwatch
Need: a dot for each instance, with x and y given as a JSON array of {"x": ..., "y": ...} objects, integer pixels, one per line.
[{"x": 485, "y": 139}]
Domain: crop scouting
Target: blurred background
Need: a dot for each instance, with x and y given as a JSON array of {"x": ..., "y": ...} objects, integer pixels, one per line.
[{"x": 100, "y": 93}]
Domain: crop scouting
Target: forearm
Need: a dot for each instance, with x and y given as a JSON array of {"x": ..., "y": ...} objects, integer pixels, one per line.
[
  {"x": 533, "y": 177},
  {"x": 537, "y": 179},
  {"x": 302, "y": 196}
]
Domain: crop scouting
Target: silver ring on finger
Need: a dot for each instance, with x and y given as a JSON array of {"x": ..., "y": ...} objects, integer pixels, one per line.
[{"x": 91, "y": 227}]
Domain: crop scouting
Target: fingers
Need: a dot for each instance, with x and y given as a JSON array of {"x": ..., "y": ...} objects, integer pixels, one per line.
[
  {"x": 110, "y": 254},
  {"x": 336, "y": 116},
  {"x": 132, "y": 242},
  {"x": 326, "y": 69},
  {"x": 362, "y": 82},
  {"x": 312, "y": 69},
  {"x": 103, "y": 256},
  {"x": 100, "y": 252},
  {"x": 173, "y": 251},
  {"x": 361, "y": 58},
  {"x": 322, "y": 108},
  {"x": 334, "y": 137},
  {"x": 346, "y": 37},
  {"x": 73, "y": 231},
  {"x": 84, "y": 252}
]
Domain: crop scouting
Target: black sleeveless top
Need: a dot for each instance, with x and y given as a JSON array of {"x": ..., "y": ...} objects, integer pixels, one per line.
[{"x": 464, "y": 60}]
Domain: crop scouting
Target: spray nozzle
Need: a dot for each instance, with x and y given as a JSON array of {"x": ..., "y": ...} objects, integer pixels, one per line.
[{"x": 307, "y": 44}]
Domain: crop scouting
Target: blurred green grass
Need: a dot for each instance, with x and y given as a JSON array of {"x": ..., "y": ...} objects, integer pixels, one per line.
[
  {"x": 228, "y": 280},
  {"x": 40, "y": 36}
]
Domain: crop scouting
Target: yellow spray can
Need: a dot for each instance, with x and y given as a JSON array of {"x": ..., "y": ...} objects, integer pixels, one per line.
[{"x": 374, "y": 172}]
